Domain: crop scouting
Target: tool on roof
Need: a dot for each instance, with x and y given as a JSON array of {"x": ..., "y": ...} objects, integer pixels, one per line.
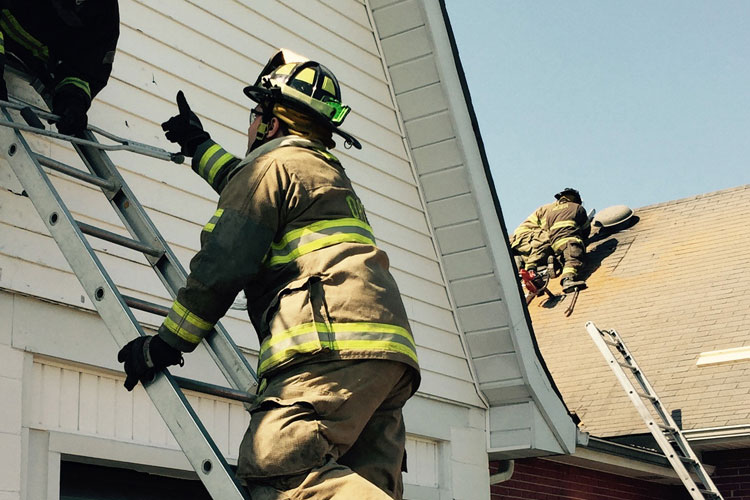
[
  {"x": 114, "y": 307},
  {"x": 666, "y": 432},
  {"x": 569, "y": 309},
  {"x": 535, "y": 284}
]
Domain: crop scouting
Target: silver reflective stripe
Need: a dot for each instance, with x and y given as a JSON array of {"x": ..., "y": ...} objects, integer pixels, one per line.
[
  {"x": 319, "y": 235},
  {"x": 186, "y": 325}
]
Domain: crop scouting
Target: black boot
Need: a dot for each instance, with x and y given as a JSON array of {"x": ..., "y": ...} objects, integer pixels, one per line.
[{"x": 569, "y": 284}]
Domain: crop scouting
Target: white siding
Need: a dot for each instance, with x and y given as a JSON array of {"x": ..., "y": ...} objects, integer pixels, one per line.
[
  {"x": 90, "y": 402},
  {"x": 211, "y": 49}
]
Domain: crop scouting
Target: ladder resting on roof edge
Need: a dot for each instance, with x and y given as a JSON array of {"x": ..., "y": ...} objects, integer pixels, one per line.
[
  {"x": 679, "y": 453},
  {"x": 114, "y": 308}
]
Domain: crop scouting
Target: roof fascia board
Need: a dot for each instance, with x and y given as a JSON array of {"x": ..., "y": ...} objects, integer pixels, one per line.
[
  {"x": 495, "y": 233},
  {"x": 420, "y": 190}
]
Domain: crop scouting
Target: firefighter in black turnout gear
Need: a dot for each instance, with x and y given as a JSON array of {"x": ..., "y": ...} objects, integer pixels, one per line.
[{"x": 68, "y": 44}]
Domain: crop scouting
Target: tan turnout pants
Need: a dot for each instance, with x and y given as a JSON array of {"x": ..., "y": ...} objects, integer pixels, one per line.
[
  {"x": 329, "y": 430},
  {"x": 532, "y": 248}
]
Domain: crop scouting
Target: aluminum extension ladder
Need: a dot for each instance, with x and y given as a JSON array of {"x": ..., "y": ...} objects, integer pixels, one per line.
[
  {"x": 165, "y": 390},
  {"x": 679, "y": 453}
]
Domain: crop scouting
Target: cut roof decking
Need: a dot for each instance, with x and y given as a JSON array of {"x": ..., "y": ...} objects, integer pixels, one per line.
[{"x": 674, "y": 285}]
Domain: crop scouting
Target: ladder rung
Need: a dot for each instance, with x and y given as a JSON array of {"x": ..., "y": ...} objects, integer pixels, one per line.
[
  {"x": 709, "y": 493},
  {"x": 643, "y": 395},
  {"x": 628, "y": 366},
  {"x": 118, "y": 239},
  {"x": 144, "y": 305},
  {"x": 688, "y": 460},
  {"x": 667, "y": 428},
  {"x": 214, "y": 390},
  {"x": 610, "y": 342},
  {"x": 74, "y": 172}
]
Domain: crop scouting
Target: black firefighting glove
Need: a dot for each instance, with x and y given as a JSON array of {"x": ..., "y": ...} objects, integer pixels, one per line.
[
  {"x": 71, "y": 103},
  {"x": 185, "y": 128},
  {"x": 145, "y": 356}
]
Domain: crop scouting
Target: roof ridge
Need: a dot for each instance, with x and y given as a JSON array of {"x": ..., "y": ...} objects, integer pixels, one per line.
[{"x": 720, "y": 192}]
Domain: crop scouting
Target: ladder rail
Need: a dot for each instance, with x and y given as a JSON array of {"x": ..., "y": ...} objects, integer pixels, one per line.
[
  {"x": 659, "y": 408},
  {"x": 665, "y": 416},
  {"x": 220, "y": 345},
  {"x": 636, "y": 397},
  {"x": 171, "y": 403}
]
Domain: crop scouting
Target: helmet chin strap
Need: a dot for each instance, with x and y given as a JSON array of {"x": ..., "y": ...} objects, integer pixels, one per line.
[{"x": 262, "y": 132}]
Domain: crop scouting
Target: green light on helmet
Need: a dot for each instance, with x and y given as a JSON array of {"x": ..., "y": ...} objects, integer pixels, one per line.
[{"x": 341, "y": 110}]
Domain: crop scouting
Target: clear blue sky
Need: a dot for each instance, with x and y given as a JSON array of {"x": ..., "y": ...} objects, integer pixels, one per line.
[{"x": 631, "y": 102}]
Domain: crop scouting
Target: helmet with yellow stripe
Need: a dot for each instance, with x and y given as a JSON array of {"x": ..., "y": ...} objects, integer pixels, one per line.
[{"x": 293, "y": 88}]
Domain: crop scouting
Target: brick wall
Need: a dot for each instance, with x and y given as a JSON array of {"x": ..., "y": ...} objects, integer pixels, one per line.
[
  {"x": 538, "y": 479},
  {"x": 732, "y": 474}
]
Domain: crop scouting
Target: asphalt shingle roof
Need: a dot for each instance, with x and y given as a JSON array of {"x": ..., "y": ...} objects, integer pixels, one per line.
[{"x": 674, "y": 285}]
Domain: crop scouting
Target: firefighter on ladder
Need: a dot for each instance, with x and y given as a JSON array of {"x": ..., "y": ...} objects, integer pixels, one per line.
[
  {"x": 560, "y": 228},
  {"x": 69, "y": 45},
  {"x": 337, "y": 359}
]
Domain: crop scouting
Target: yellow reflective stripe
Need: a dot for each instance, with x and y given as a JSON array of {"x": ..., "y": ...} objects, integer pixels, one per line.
[
  {"x": 10, "y": 25},
  {"x": 328, "y": 155},
  {"x": 211, "y": 224},
  {"x": 318, "y": 226},
  {"x": 292, "y": 332},
  {"x": 81, "y": 84},
  {"x": 217, "y": 166},
  {"x": 326, "y": 241},
  {"x": 563, "y": 241},
  {"x": 307, "y": 75},
  {"x": 191, "y": 318},
  {"x": 564, "y": 223},
  {"x": 207, "y": 156},
  {"x": 328, "y": 86},
  {"x": 341, "y": 345},
  {"x": 2, "y": 43},
  {"x": 285, "y": 69},
  {"x": 533, "y": 220},
  {"x": 320, "y": 328},
  {"x": 373, "y": 345},
  {"x": 181, "y": 332},
  {"x": 317, "y": 326},
  {"x": 288, "y": 353},
  {"x": 569, "y": 270}
]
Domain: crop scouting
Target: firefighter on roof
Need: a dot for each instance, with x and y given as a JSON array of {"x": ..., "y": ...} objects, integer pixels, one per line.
[
  {"x": 337, "y": 359},
  {"x": 68, "y": 44},
  {"x": 560, "y": 228}
]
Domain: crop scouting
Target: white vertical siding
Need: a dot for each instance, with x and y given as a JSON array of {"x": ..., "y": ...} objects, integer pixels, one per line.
[
  {"x": 91, "y": 402},
  {"x": 422, "y": 457},
  {"x": 211, "y": 49}
]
